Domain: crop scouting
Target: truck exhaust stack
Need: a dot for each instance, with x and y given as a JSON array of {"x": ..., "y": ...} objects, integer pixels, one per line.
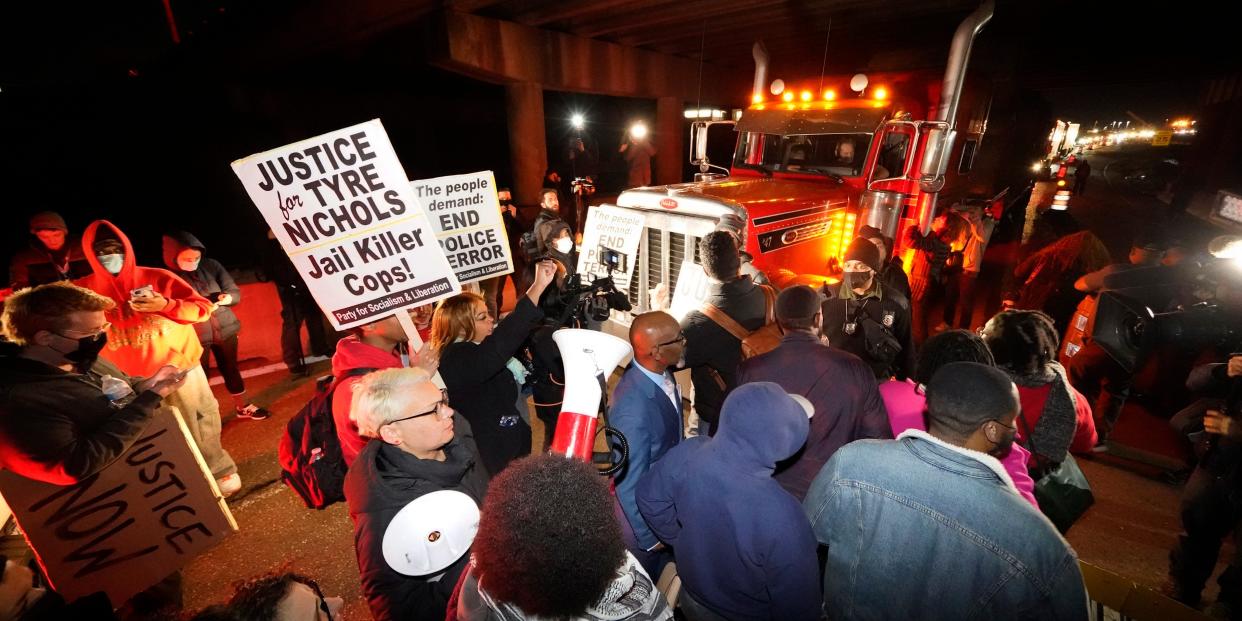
[
  {"x": 760, "y": 53},
  {"x": 951, "y": 91}
]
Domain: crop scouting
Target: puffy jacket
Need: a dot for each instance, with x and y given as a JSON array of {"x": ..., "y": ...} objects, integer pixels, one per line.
[
  {"x": 209, "y": 280},
  {"x": 382, "y": 481},
  {"x": 141, "y": 343}
]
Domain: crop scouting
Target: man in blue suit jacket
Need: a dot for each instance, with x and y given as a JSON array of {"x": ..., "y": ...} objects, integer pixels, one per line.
[{"x": 646, "y": 408}]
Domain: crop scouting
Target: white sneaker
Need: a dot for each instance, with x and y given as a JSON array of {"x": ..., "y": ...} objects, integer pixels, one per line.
[{"x": 229, "y": 485}]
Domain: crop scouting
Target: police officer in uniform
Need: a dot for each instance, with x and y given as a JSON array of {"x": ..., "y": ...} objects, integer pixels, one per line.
[{"x": 867, "y": 318}]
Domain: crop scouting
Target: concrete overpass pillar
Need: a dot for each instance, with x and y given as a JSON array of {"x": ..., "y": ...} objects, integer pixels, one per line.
[
  {"x": 528, "y": 149},
  {"x": 668, "y": 130}
]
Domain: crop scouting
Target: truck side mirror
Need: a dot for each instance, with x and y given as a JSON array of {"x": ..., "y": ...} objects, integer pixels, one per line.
[
  {"x": 937, "y": 141},
  {"x": 700, "y": 142},
  {"x": 895, "y": 152}
]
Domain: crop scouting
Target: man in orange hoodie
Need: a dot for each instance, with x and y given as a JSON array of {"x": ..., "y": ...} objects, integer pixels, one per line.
[{"x": 154, "y": 327}]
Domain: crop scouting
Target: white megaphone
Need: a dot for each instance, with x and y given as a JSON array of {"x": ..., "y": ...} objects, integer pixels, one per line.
[{"x": 589, "y": 358}]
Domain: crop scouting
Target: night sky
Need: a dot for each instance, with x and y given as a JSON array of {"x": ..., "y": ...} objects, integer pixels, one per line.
[{"x": 102, "y": 116}]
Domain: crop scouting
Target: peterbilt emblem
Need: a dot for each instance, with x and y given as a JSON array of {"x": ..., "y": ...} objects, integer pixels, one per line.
[{"x": 668, "y": 203}]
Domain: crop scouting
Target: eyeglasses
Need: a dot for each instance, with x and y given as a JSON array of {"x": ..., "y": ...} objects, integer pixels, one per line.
[
  {"x": 440, "y": 407},
  {"x": 1009, "y": 427},
  {"x": 102, "y": 329},
  {"x": 681, "y": 338}
]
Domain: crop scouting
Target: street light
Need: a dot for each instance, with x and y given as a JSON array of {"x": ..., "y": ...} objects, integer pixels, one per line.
[
  {"x": 577, "y": 120},
  {"x": 638, "y": 130}
]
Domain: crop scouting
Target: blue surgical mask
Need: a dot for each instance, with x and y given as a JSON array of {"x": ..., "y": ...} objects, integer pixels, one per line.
[
  {"x": 188, "y": 266},
  {"x": 112, "y": 262}
]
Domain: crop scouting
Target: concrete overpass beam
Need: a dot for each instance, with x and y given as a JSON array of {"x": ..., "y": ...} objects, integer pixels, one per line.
[
  {"x": 668, "y": 129},
  {"x": 528, "y": 149}
]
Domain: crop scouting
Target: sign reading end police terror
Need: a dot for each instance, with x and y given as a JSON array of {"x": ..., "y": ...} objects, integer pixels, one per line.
[
  {"x": 465, "y": 214},
  {"x": 616, "y": 229},
  {"x": 343, "y": 210}
]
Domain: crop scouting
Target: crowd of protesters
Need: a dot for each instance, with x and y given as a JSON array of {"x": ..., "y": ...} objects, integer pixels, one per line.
[{"x": 861, "y": 466}]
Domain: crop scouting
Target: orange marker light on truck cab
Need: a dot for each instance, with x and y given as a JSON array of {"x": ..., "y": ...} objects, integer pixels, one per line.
[
  {"x": 880, "y": 93},
  {"x": 788, "y": 96},
  {"x": 806, "y": 95},
  {"x": 830, "y": 95},
  {"x": 757, "y": 99}
]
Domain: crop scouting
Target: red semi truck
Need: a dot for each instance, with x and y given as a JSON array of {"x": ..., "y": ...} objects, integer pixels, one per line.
[{"x": 811, "y": 165}]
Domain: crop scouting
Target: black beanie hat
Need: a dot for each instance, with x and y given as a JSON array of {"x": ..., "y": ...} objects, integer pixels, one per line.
[{"x": 861, "y": 249}]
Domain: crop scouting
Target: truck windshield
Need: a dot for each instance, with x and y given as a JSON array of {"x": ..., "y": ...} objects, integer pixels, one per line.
[{"x": 840, "y": 155}]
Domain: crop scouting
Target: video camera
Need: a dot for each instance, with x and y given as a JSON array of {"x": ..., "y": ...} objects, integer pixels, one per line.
[
  {"x": 1185, "y": 308},
  {"x": 582, "y": 186},
  {"x": 579, "y": 301}
]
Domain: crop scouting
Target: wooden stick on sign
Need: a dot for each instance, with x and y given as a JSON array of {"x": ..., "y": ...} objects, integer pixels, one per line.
[{"x": 415, "y": 341}]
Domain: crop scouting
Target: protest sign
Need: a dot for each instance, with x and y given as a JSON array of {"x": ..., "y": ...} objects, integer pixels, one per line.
[
  {"x": 691, "y": 291},
  {"x": 342, "y": 208},
  {"x": 617, "y": 229},
  {"x": 465, "y": 214},
  {"x": 129, "y": 525}
]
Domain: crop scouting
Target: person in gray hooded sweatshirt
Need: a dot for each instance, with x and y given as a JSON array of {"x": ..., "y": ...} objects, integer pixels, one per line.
[{"x": 184, "y": 255}]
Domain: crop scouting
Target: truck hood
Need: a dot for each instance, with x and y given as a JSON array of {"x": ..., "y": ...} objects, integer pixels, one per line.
[{"x": 755, "y": 198}]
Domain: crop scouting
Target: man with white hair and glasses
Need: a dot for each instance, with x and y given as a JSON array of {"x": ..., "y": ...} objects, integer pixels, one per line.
[{"x": 424, "y": 446}]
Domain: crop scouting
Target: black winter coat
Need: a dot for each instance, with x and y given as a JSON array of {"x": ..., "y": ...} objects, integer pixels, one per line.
[
  {"x": 59, "y": 427},
  {"x": 892, "y": 312},
  {"x": 710, "y": 347},
  {"x": 210, "y": 280},
  {"x": 481, "y": 387},
  {"x": 382, "y": 481}
]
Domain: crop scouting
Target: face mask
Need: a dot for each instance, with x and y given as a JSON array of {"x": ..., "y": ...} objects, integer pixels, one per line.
[
  {"x": 1004, "y": 446},
  {"x": 87, "y": 351},
  {"x": 564, "y": 245},
  {"x": 188, "y": 266},
  {"x": 858, "y": 280},
  {"x": 112, "y": 262}
]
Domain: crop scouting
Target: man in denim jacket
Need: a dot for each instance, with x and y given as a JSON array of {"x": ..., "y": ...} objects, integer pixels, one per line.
[{"x": 930, "y": 526}]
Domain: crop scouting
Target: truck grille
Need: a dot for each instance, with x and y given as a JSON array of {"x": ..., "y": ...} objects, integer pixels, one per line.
[{"x": 662, "y": 253}]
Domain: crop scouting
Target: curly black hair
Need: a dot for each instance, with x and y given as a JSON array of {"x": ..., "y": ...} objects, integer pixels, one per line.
[
  {"x": 256, "y": 599},
  {"x": 721, "y": 261},
  {"x": 548, "y": 541},
  {"x": 950, "y": 346},
  {"x": 1023, "y": 342}
]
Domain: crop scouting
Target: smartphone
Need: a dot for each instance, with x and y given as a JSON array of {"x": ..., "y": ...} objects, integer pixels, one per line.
[{"x": 142, "y": 293}]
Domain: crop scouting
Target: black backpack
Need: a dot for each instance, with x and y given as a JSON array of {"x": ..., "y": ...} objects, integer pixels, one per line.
[{"x": 310, "y": 451}]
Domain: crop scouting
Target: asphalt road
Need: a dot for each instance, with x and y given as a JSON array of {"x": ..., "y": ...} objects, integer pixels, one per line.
[{"x": 1129, "y": 531}]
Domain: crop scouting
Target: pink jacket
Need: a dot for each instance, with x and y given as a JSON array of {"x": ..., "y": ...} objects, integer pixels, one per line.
[{"x": 905, "y": 403}]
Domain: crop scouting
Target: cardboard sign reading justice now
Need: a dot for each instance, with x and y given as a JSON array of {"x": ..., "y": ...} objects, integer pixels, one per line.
[{"x": 128, "y": 526}]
